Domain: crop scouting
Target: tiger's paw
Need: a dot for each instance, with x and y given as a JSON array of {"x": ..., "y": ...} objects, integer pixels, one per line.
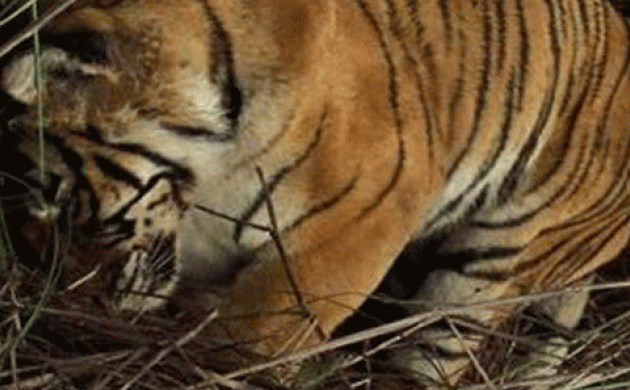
[{"x": 474, "y": 312}]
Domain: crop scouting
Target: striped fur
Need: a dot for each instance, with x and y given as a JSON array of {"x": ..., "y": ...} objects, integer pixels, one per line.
[{"x": 501, "y": 125}]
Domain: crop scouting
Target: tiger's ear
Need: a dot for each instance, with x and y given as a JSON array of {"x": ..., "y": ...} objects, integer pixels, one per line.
[{"x": 76, "y": 33}]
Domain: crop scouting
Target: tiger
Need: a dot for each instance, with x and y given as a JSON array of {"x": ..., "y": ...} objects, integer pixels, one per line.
[{"x": 283, "y": 153}]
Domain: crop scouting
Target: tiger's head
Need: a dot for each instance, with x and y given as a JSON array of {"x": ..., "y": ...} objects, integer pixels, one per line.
[{"x": 147, "y": 108}]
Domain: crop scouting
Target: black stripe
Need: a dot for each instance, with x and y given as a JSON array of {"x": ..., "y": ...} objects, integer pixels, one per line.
[
  {"x": 412, "y": 7},
  {"x": 523, "y": 55},
  {"x": 447, "y": 24},
  {"x": 502, "y": 32},
  {"x": 273, "y": 142},
  {"x": 574, "y": 74},
  {"x": 520, "y": 219},
  {"x": 165, "y": 198},
  {"x": 482, "y": 90},
  {"x": 571, "y": 119},
  {"x": 430, "y": 116},
  {"x": 74, "y": 162},
  {"x": 271, "y": 185},
  {"x": 427, "y": 56},
  {"x": 562, "y": 10},
  {"x": 179, "y": 173},
  {"x": 594, "y": 42},
  {"x": 476, "y": 204},
  {"x": 119, "y": 215},
  {"x": 113, "y": 233},
  {"x": 323, "y": 206},
  {"x": 561, "y": 154},
  {"x": 602, "y": 38},
  {"x": 577, "y": 262},
  {"x": 479, "y": 255},
  {"x": 602, "y": 125},
  {"x": 576, "y": 247},
  {"x": 508, "y": 111},
  {"x": 571, "y": 86},
  {"x": 485, "y": 253},
  {"x": 197, "y": 132},
  {"x": 601, "y": 203},
  {"x": 583, "y": 14},
  {"x": 595, "y": 148},
  {"x": 393, "y": 101},
  {"x": 117, "y": 172},
  {"x": 458, "y": 93},
  {"x": 517, "y": 170}
]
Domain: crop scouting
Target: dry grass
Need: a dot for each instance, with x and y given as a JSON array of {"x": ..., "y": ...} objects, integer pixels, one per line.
[{"x": 54, "y": 337}]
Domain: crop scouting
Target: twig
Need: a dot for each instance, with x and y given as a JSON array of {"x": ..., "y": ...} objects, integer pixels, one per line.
[
  {"x": 7, "y": 18},
  {"x": 470, "y": 354},
  {"x": 33, "y": 383},
  {"x": 110, "y": 375},
  {"x": 12, "y": 357},
  {"x": 591, "y": 368},
  {"x": 276, "y": 239},
  {"x": 389, "y": 342},
  {"x": 419, "y": 320},
  {"x": 275, "y": 236},
  {"x": 230, "y": 383},
  {"x": 232, "y": 219},
  {"x": 35, "y": 27},
  {"x": 164, "y": 352},
  {"x": 43, "y": 298},
  {"x": 595, "y": 333},
  {"x": 84, "y": 279},
  {"x": 363, "y": 382}
]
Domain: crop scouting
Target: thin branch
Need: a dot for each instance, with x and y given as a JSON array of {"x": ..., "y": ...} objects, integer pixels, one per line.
[
  {"x": 33, "y": 383},
  {"x": 275, "y": 236},
  {"x": 232, "y": 219},
  {"x": 35, "y": 27},
  {"x": 471, "y": 355},
  {"x": 12, "y": 15},
  {"x": 164, "y": 352},
  {"x": 84, "y": 279},
  {"x": 276, "y": 239},
  {"x": 419, "y": 320},
  {"x": 110, "y": 375}
]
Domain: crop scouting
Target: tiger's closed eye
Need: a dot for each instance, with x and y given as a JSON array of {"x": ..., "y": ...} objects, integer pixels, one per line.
[{"x": 196, "y": 131}]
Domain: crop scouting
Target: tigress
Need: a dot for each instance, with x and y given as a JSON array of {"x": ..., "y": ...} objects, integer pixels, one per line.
[{"x": 285, "y": 152}]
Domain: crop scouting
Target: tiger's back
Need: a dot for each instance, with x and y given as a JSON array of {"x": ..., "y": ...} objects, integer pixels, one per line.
[
  {"x": 526, "y": 119},
  {"x": 498, "y": 124}
]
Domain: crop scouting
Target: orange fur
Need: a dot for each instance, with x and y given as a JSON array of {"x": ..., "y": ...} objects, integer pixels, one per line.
[{"x": 381, "y": 122}]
